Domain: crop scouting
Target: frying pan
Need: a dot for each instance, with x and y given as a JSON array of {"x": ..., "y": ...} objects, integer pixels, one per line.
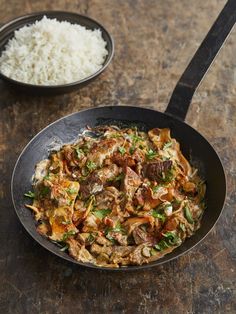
[{"x": 194, "y": 146}]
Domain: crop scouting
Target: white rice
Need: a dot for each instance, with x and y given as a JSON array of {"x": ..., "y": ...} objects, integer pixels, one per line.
[{"x": 50, "y": 52}]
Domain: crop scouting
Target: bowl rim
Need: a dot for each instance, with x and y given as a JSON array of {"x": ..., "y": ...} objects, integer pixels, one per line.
[{"x": 75, "y": 83}]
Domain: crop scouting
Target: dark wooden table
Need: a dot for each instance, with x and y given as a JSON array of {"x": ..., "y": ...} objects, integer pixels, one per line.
[{"x": 154, "y": 42}]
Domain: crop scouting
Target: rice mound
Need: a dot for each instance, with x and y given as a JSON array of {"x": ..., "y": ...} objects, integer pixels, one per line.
[{"x": 50, "y": 52}]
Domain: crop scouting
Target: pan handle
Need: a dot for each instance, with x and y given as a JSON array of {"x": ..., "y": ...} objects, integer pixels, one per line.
[{"x": 201, "y": 62}]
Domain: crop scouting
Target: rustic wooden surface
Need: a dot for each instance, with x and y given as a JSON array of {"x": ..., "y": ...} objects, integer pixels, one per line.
[{"x": 154, "y": 42}]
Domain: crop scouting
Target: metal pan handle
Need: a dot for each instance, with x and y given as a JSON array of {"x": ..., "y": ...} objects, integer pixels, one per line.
[{"x": 201, "y": 62}]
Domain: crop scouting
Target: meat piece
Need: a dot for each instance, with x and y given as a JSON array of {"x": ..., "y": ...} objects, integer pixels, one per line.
[
  {"x": 159, "y": 136},
  {"x": 140, "y": 236},
  {"x": 79, "y": 252},
  {"x": 149, "y": 199},
  {"x": 96, "y": 180},
  {"x": 123, "y": 160},
  {"x": 107, "y": 173},
  {"x": 132, "y": 223},
  {"x": 131, "y": 182},
  {"x": 92, "y": 185},
  {"x": 120, "y": 254},
  {"x": 102, "y": 150},
  {"x": 103, "y": 241},
  {"x": 170, "y": 225},
  {"x": 98, "y": 249},
  {"x": 154, "y": 170},
  {"x": 136, "y": 257},
  {"x": 107, "y": 197},
  {"x": 90, "y": 223}
]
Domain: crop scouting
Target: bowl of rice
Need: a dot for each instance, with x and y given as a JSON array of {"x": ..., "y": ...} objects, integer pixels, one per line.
[{"x": 53, "y": 52}]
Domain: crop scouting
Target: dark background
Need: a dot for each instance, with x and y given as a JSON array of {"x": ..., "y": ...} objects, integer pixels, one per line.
[{"x": 154, "y": 41}]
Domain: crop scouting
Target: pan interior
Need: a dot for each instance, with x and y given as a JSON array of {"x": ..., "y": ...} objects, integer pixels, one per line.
[{"x": 194, "y": 146}]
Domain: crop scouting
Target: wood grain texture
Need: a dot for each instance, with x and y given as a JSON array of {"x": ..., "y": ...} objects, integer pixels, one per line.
[{"x": 154, "y": 41}]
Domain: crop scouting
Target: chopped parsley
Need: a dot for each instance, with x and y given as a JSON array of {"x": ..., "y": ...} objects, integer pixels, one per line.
[
  {"x": 151, "y": 154},
  {"x": 132, "y": 149},
  {"x": 156, "y": 188},
  {"x": 155, "y": 214},
  {"x": 188, "y": 215},
  {"x": 67, "y": 235},
  {"x": 91, "y": 165},
  {"x": 167, "y": 176},
  {"x": 182, "y": 227},
  {"x": 90, "y": 238},
  {"x": 171, "y": 239},
  {"x": 122, "y": 150},
  {"x": 101, "y": 213},
  {"x": 135, "y": 138},
  {"x": 119, "y": 177},
  {"x": 71, "y": 191},
  {"x": 30, "y": 194},
  {"x": 167, "y": 145},
  {"x": 118, "y": 228},
  {"x": 79, "y": 153}
]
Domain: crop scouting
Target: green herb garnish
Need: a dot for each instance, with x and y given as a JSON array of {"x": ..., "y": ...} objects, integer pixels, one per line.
[
  {"x": 101, "y": 213},
  {"x": 71, "y": 191},
  {"x": 30, "y": 194},
  {"x": 156, "y": 188},
  {"x": 91, "y": 165},
  {"x": 119, "y": 177},
  {"x": 118, "y": 228},
  {"x": 90, "y": 238},
  {"x": 151, "y": 154},
  {"x": 79, "y": 152},
  {"x": 155, "y": 214},
  {"x": 167, "y": 176},
  {"x": 172, "y": 238},
  {"x": 167, "y": 145},
  {"x": 122, "y": 150},
  {"x": 188, "y": 215},
  {"x": 182, "y": 227},
  {"x": 67, "y": 235},
  {"x": 162, "y": 245},
  {"x": 132, "y": 149},
  {"x": 135, "y": 138}
]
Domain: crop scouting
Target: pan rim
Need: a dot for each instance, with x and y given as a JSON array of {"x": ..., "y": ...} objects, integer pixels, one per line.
[{"x": 124, "y": 268}]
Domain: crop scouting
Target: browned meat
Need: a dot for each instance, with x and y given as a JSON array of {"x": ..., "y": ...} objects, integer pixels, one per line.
[
  {"x": 131, "y": 182},
  {"x": 138, "y": 256},
  {"x": 140, "y": 236},
  {"x": 123, "y": 160},
  {"x": 154, "y": 170},
  {"x": 96, "y": 180},
  {"x": 92, "y": 185},
  {"x": 147, "y": 198},
  {"x": 108, "y": 173},
  {"x": 102, "y": 150},
  {"x": 107, "y": 197},
  {"x": 79, "y": 252}
]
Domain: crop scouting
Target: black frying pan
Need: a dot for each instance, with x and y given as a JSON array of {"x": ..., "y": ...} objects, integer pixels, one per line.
[{"x": 194, "y": 146}]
